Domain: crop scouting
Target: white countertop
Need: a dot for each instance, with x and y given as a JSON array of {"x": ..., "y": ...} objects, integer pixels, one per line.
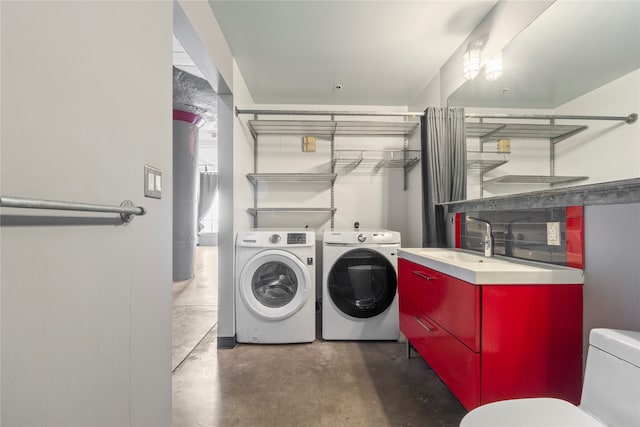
[{"x": 477, "y": 269}]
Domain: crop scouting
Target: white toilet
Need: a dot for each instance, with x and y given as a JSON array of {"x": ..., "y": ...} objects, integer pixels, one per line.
[{"x": 610, "y": 393}]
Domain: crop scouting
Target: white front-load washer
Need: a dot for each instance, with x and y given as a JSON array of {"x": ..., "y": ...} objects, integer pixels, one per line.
[
  {"x": 275, "y": 286},
  {"x": 360, "y": 285}
]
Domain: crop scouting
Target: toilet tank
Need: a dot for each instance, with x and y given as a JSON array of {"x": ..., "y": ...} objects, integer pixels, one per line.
[{"x": 611, "y": 390}]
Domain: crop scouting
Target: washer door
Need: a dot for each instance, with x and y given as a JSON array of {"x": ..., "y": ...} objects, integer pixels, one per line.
[
  {"x": 362, "y": 283},
  {"x": 274, "y": 284}
]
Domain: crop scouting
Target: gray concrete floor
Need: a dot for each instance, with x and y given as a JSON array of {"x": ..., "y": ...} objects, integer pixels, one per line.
[{"x": 325, "y": 383}]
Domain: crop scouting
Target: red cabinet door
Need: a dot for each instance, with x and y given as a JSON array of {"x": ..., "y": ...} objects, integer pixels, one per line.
[{"x": 531, "y": 342}]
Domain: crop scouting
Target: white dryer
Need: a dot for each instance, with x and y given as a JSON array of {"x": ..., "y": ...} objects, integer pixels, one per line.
[
  {"x": 275, "y": 286},
  {"x": 360, "y": 285}
]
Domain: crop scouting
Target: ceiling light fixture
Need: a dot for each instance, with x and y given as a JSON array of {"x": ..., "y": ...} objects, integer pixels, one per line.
[
  {"x": 493, "y": 69},
  {"x": 471, "y": 60}
]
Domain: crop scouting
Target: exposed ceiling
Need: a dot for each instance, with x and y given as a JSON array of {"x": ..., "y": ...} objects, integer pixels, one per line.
[
  {"x": 208, "y": 132},
  {"x": 380, "y": 52},
  {"x": 571, "y": 49}
]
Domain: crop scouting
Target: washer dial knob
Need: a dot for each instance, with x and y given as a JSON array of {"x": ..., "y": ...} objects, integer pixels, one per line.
[
  {"x": 362, "y": 238},
  {"x": 274, "y": 238}
]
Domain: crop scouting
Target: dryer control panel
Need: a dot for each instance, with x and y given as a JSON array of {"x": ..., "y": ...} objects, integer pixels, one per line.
[
  {"x": 296, "y": 238},
  {"x": 361, "y": 237}
]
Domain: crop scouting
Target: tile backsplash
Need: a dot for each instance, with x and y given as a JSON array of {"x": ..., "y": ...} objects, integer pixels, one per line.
[{"x": 517, "y": 233}]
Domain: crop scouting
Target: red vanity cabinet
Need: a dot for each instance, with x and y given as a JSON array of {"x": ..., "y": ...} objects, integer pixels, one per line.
[{"x": 494, "y": 342}]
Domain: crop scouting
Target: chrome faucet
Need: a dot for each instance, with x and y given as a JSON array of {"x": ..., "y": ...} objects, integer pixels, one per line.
[{"x": 488, "y": 238}]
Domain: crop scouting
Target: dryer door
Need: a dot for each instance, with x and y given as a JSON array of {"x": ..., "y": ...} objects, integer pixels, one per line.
[
  {"x": 362, "y": 283},
  {"x": 274, "y": 284}
]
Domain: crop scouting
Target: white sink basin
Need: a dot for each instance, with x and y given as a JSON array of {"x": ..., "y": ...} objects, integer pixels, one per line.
[{"x": 480, "y": 270}]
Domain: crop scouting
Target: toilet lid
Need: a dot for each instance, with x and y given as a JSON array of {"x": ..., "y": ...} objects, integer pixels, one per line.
[{"x": 529, "y": 413}]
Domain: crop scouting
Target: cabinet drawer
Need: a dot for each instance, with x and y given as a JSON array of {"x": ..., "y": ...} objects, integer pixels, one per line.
[
  {"x": 453, "y": 362},
  {"x": 411, "y": 324},
  {"x": 452, "y": 303}
]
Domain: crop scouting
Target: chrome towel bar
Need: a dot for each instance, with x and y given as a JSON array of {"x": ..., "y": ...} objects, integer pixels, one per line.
[{"x": 126, "y": 209}]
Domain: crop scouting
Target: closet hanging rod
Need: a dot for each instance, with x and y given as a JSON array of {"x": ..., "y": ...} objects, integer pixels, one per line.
[
  {"x": 328, "y": 113},
  {"x": 631, "y": 118},
  {"x": 126, "y": 209}
]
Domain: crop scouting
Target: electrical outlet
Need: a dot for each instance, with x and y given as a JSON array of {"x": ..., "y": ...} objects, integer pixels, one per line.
[{"x": 553, "y": 233}]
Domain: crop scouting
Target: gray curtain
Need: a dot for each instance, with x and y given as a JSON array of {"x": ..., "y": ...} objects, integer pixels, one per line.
[
  {"x": 444, "y": 169},
  {"x": 206, "y": 195}
]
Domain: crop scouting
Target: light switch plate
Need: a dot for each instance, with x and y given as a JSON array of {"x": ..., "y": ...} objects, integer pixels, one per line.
[
  {"x": 553, "y": 233},
  {"x": 152, "y": 182}
]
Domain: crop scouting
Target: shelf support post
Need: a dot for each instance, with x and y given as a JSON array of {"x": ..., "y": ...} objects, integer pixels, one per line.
[
  {"x": 255, "y": 170},
  {"x": 552, "y": 153},
  {"x": 333, "y": 182},
  {"x": 405, "y": 161}
]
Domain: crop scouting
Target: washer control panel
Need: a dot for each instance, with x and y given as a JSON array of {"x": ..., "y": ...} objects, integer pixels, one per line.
[{"x": 275, "y": 238}]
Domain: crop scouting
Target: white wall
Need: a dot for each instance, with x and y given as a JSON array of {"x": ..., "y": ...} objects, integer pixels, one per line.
[
  {"x": 86, "y": 301},
  {"x": 242, "y": 155},
  {"x": 235, "y": 162}
]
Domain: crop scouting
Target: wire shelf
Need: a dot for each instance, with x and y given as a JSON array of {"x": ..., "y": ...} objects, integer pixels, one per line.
[
  {"x": 331, "y": 127},
  {"x": 348, "y": 160},
  {"x": 255, "y": 211},
  {"x": 555, "y": 133},
  {"x": 485, "y": 161},
  {"x": 257, "y": 178}
]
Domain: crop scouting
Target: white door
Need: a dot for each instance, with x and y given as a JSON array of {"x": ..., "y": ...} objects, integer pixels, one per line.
[{"x": 274, "y": 284}]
